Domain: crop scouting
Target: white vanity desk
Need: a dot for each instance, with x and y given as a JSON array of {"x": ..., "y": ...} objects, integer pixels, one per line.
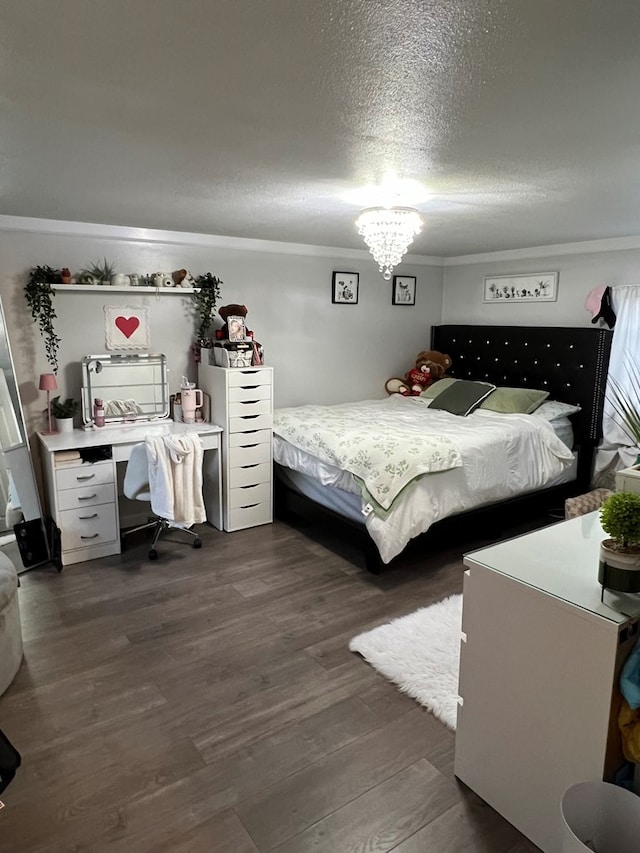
[{"x": 83, "y": 497}]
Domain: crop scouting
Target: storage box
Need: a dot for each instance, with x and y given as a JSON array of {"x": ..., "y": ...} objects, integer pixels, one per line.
[
  {"x": 233, "y": 354},
  {"x": 628, "y": 480}
]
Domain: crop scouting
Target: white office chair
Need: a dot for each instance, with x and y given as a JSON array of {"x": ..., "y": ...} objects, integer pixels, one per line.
[{"x": 136, "y": 487}]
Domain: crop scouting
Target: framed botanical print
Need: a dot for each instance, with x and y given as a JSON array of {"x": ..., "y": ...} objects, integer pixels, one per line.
[
  {"x": 345, "y": 288},
  {"x": 404, "y": 290}
]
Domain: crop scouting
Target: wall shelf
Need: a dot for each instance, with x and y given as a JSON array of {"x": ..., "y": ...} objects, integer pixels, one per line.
[{"x": 107, "y": 288}]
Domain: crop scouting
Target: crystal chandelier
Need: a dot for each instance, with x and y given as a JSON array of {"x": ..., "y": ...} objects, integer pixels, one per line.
[{"x": 388, "y": 232}]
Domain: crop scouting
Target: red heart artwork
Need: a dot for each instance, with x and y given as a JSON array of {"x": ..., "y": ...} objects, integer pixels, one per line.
[{"x": 127, "y": 325}]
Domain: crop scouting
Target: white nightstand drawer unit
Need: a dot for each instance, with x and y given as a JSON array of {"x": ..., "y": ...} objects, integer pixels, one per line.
[
  {"x": 242, "y": 404},
  {"x": 628, "y": 479},
  {"x": 83, "y": 504}
]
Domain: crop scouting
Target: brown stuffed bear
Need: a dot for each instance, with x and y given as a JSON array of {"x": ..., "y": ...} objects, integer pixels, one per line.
[
  {"x": 431, "y": 365},
  {"x": 231, "y": 311}
]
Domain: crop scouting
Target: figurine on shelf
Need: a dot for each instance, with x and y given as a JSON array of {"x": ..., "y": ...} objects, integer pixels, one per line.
[{"x": 65, "y": 275}]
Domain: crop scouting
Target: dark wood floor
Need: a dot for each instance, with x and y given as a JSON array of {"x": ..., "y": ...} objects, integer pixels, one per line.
[{"x": 208, "y": 702}]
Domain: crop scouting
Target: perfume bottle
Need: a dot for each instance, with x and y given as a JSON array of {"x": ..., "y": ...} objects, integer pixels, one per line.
[{"x": 98, "y": 412}]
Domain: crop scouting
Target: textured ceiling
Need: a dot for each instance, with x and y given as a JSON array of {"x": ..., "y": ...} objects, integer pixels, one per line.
[{"x": 253, "y": 118}]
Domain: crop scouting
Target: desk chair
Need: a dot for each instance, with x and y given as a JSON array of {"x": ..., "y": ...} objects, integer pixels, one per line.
[{"x": 136, "y": 487}]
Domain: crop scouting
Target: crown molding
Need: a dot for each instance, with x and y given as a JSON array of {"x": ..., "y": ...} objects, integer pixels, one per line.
[
  {"x": 64, "y": 228},
  {"x": 608, "y": 244}
]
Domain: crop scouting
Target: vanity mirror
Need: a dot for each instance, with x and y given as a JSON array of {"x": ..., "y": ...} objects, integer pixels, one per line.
[{"x": 131, "y": 386}]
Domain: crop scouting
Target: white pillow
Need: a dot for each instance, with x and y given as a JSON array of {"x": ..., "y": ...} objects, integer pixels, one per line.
[{"x": 551, "y": 410}]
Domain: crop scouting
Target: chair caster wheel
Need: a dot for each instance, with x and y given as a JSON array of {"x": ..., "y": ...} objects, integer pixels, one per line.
[
  {"x": 153, "y": 554},
  {"x": 197, "y": 543}
]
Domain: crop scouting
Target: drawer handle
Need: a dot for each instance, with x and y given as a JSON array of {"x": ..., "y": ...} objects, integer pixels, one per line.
[
  {"x": 246, "y": 417},
  {"x": 86, "y": 477},
  {"x": 94, "y": 536},
  {"x": 248, "y": 445},
  {"x": 87, "y": 517},
  {"x": 244, "y": 506},
  {"x": 249, "y": 387},
  {"x": 89, "y": 497},
  {"x": 255, "y": 464},
  {"x": 248, "y": 402},
  {"x": 251, "y": 486}
]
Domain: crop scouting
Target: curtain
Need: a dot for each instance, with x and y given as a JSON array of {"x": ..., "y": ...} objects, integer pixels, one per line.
[{"x": 617, "y": 450}]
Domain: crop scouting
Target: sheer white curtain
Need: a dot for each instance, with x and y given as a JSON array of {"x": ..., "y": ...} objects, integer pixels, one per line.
[{"x": 617, "y": 449}]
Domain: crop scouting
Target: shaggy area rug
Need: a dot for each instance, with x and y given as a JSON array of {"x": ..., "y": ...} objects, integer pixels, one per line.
[{"x": 420, "y": 653}]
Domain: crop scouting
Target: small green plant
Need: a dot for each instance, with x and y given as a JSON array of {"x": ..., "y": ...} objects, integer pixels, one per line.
[
  {"x": 205, "y": 297},
  {"x": 39, "y": 295},
  {"x": 98, "y": 271},
  {"x": 620, "y": 518},
  {"x": 64, "y": 408}
]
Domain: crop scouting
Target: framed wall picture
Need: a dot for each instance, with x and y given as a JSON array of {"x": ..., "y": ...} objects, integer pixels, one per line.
[
  {"x": 404, "y": 290},
  {"x": 126, "y": 327},
  {"x": 344, "y": 289},
  {"x": 237, "y": 330},
  {"x": 530, "y": 287}
]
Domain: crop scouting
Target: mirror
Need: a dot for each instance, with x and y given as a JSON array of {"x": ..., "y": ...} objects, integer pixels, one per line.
[
  {"x": 19, "y": 499},
  {"x": 132, "y": 386}
]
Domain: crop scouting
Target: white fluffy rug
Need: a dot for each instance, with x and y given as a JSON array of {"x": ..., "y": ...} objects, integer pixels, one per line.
[{"x": 420, "y": 653}]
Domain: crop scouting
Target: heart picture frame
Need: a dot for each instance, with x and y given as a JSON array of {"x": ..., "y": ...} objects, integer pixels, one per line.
[{"x": 126, "y": 327}]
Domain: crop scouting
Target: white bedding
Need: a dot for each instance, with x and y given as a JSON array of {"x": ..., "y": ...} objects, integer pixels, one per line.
[{"x": 503, "y": 455}]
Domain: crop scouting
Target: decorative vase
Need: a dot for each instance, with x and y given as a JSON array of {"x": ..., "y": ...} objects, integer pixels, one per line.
[
  {"x": 65, "y": 276},
  {"x": 64, "y": 425},
  {"x": 619, "y": 570}
]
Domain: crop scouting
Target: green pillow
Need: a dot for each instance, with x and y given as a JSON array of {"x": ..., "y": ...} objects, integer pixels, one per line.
[
  {"x": 438, "y": 387},
  {"x": 514, "y": 400},
  {"x": 462, "y": 397}
]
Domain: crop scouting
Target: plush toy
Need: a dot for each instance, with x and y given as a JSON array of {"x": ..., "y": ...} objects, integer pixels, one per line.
[
  {"x": 430, "y": 366},
  {"x": 225, "y": 311}
]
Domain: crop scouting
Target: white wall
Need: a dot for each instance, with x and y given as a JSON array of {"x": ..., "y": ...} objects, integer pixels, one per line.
[
  {"x": 579, "y": 274},
  {"x": 321, "y": 352}
]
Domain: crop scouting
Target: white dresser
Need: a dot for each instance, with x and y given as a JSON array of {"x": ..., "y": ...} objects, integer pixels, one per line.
[
  {"x": 242, "y": 404},
  {"x": 82, "y": 502},
  {"x": 539, "y": 665}
]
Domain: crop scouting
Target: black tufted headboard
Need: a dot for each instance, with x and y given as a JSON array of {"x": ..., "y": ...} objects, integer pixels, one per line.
[{"x": 569, "y": 363}]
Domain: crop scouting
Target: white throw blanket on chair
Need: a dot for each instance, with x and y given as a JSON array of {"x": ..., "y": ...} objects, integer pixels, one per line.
[{"x": 175, "y": 478}]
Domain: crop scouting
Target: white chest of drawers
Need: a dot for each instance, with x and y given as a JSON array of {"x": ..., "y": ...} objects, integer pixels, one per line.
[
  {"x": 539, "y": 668},
  {"x": 242, "y": 404},
  {"x": 83, "y": 504}
]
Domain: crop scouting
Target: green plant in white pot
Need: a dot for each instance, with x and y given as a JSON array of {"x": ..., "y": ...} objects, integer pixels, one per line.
[
  {"x": 63, "y": 411},
  {"x": 619, "y": 567}
]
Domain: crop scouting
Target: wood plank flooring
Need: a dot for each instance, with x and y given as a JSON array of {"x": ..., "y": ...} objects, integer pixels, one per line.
[{"x": 209, "y": 702}]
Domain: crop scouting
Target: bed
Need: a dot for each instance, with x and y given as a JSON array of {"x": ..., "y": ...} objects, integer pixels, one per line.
[{"x": 480, "y": 463}]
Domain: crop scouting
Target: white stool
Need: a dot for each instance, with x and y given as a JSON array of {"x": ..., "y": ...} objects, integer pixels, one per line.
[{"x": 10, "y": 630}]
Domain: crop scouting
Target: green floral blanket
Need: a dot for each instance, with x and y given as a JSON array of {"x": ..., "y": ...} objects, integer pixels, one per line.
[{"x": 378, "y": 441}]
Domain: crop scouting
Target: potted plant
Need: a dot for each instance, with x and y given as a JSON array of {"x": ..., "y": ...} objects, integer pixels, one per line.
[
  {"x": 624, "y": 400},
  {"x": 39, "y": 295},
  {"x": 63, "y": 411},
  {"x": 205, "y": 298},
  {"x": 99, "y": 272},
  {"x": 619, "y": 567}
]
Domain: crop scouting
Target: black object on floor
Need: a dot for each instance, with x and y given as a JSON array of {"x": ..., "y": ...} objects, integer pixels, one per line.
[{"x": 10, "y": 760}]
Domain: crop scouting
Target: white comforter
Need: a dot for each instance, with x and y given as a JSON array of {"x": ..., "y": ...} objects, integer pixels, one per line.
[{"x": 503, "y": 455}]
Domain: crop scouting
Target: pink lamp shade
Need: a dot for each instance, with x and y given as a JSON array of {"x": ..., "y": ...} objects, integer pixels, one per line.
[{"x": 48, "y": 382}]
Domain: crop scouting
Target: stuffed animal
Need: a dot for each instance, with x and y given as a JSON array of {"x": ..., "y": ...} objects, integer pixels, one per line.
[
  {"x": 431, "y": 365},
  {"x": 225, "y": 311}
]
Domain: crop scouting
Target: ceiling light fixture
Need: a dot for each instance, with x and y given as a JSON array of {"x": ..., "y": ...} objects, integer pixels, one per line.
[{"x": 388, "y": 232}]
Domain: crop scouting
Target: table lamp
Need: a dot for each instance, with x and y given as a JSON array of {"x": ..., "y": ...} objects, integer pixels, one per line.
[{"x": 48, "y": 383}]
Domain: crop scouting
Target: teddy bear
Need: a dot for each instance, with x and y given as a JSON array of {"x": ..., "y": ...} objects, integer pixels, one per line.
[
  {"x": 430, "y": 366},
  {"x": 225, "y": 311}
]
